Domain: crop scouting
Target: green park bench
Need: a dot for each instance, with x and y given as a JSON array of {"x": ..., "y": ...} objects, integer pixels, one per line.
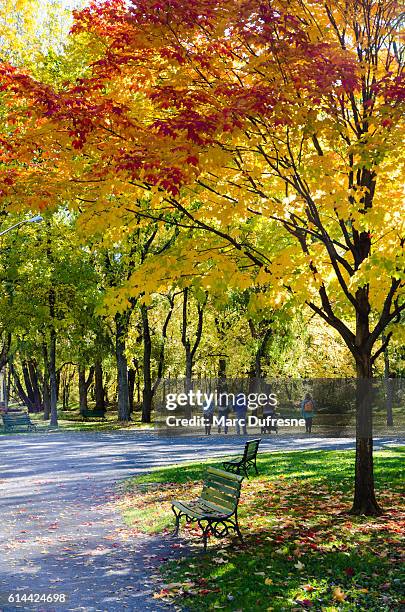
[
  {"x": 246, "y": 461},
  {"x": 96, "y": 413},
  {"x": 216, "y": 510},
  {"x": 17, "y": 420}
]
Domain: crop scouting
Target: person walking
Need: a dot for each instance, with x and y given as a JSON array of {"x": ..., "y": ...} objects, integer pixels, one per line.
[
  {"x": 223, "y": 413},
  {"x": 208, "y": 413},
  {"x": 240, "y": 408},
  {"x": 308, "y": 411},
  {"x": 268, "y": 414}
]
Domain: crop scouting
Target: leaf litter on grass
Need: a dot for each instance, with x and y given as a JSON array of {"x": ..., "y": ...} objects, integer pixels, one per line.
[{"x": 301, "y": 550}]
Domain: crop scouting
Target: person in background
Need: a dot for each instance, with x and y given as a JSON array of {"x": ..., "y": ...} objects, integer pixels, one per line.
[
  {"x": 208, "y": 413},
  {"x": 223, "y": 411},
  {"x": 240, "y": 408},
  {"x": 269, "y": 412},
  {"x": 308, "y": 411}
]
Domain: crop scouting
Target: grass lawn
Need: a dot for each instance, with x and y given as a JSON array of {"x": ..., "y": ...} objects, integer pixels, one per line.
[{"x": 300, "y": 552}]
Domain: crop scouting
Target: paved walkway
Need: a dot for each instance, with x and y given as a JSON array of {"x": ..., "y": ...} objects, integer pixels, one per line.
[{"x": 59, "y": 532}]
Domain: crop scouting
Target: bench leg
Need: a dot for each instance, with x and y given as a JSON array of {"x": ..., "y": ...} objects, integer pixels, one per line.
[
  {"x": 205, "y": 531},
  {"x": 237, "y": 527},
  {"x": 177, "y": 526}
]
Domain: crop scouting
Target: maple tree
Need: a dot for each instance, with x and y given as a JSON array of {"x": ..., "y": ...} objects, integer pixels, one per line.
[{"x": 287, "y": 116}]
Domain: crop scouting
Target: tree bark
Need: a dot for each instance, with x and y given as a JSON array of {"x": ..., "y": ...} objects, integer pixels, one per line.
[
  {"x": 121, "y": 322},
  {"x": 65, "y": 396},
  {"x": 53, "y": 383},
  {"x": 33, "y": 372},
  {"x": 221, "y": 368},
  {"x": 28, "y": 385},
  {"x": 98, "y": 385},
  {"x": 66, "y": 383},
  {"x": 364, "y": 494},
  {"x": 19, "y": 387},
  {"x": 45, "y": 384},
  {"x": 147, "y": 393},
  {"x": 84, "y": 384},
  {"x": 4, "y": 351},
  {"x": 82, "y": 389},
  {"x": 137, "y": 377},
  {"x": 190, "y": 350},
  {"x": 262, "y": 334},
  {"x": 131, "y": 388}
]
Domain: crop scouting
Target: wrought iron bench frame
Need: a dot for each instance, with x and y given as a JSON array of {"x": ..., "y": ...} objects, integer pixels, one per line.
[{"x": 244, "y": 462}]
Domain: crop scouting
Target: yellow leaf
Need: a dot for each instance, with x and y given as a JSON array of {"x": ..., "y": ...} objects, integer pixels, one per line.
[
  {"x": 268, "y": 581},
  {"x": 338, "y": 594}
]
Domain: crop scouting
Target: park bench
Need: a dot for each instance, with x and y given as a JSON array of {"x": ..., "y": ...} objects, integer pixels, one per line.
[
  {"x": 244, "y": 462},
  {"x": 96, "y": 413},
  {"x": 17, "y": 420},
  {"x": 216, "y": 510}
]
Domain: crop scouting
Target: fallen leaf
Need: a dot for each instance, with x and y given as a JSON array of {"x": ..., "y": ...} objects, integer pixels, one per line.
[{"x": 338, "y": 594}]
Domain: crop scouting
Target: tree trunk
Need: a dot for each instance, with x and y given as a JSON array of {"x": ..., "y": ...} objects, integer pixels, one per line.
[
  {"x": 28, "y": 386},
  {"x": 83, "y": 406},
  {"x": 138, "y": 381},
  {"x": 53, "y": 382},
  {"x": 57, "y": 384},
  {"x": 20, "y": 389},
  {"x": 65, "y": 396},
  {"x": 45, "y": 384},
  {"x": 189, "y": 368},
  {"x": 33, "y": 371},
  {"x": 364, "y": 495},
  {"x": 4, "y": 351},
  {"x": 66, "y": 382},
  {"x": 121, "y": 322},
  {"x": 131, "y": 388},
  {"x": 84, "y": 385},
  {"x": 190, "y": 350},
  {"x": 98, "y": 386},
  {"x": 147, "y": 393},
  {"x": 221, "y": 368}
]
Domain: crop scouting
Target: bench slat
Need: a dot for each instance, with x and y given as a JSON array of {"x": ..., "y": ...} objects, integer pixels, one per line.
[
  {"x": 199, "y": 510},
  {"x": 222, "y": 487},
  {"x": 216, "y": 510},
  {"x": 218, "y": 498},
  {"x": 225, "y": 475},
  {"x": 218, "y": 491},
  {"x": 222, "y": 476},
  {"x": 219, "y": 503}
]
